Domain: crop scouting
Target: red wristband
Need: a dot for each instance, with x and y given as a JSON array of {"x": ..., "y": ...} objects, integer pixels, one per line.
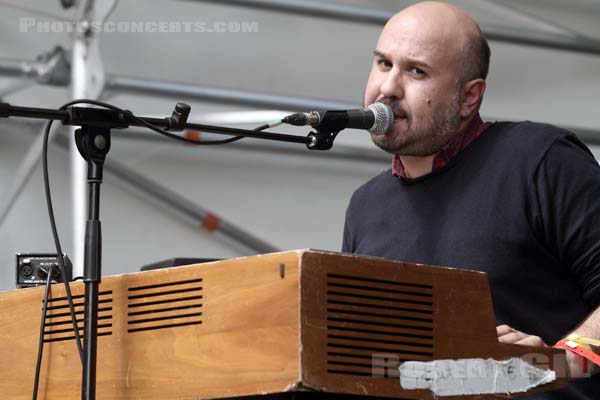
[{"x": 584, "y": 354}]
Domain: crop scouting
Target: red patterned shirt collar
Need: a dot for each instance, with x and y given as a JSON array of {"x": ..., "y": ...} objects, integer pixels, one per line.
[{"x": 451, "y": 149}]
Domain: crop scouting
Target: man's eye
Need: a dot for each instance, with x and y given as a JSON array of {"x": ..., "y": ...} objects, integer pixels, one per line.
[
  {"x": 417, "y": 71},
  {"x": 384, "y": 63}
]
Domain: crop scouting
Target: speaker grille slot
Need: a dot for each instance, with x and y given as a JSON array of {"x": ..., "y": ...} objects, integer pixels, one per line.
[
  {"x": 164, "y": 305},
  {"x": 58, "y": 318},
  {"x": 373, "y": 325}
]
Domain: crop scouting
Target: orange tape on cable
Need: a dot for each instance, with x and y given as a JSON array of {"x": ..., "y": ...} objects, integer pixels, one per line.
[
  {"x": 211, "y": 222},
  {"x": 192, "y": 134}
]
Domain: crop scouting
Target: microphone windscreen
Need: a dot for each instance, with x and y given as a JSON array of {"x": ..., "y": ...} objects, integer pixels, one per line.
[{"x": 384, "y": 118}]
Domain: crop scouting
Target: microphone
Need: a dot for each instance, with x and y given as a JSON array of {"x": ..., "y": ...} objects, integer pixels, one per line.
[{"x": 377, "y": 118}]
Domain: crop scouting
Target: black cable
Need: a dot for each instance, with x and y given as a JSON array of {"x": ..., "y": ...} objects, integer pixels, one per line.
[
  {"x": 153, "y": 127},
  {"x": 38, "y": 365},
  {"x": 262, "y": 127},
  {"x": 59, "y": 253}
]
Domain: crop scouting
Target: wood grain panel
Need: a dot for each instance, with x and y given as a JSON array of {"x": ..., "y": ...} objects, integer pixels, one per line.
[
  {"x": 380, "y": 313},
  {"x": 247, "y": 341},
  {"x": 285, "y": 322}
]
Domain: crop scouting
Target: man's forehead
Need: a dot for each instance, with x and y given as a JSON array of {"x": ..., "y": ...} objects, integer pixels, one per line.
[
  {"x": 412, "y": 38},
  {"x": 411, "y": 47}
]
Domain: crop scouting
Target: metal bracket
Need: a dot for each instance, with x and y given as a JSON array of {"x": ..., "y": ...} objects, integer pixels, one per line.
[{"x": 53, "y": 68}]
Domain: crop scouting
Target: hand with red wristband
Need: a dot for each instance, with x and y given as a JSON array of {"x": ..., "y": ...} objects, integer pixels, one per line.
[
  {"x": 583, "y": 352},
  {"x": 583, "y": 357}
]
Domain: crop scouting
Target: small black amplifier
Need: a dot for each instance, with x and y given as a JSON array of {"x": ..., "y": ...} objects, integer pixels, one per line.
[{"x": 32, "y": 269}]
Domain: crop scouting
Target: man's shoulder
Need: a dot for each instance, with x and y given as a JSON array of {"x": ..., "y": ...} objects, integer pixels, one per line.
[
  {"x": 529, "y": 132},
  {"x": 531, "y": 138}
]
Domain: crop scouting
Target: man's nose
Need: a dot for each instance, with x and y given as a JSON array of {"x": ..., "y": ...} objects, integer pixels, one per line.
[{"x": 392, "y": 85}]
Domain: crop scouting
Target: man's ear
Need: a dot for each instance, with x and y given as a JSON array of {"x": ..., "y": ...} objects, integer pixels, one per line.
[{"x": 472, "y": 93}]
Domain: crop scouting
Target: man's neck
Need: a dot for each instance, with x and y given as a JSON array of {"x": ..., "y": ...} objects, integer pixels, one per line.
[{"x": 415, "y": 167}]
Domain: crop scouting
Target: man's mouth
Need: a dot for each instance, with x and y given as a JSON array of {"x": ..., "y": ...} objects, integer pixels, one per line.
[
  {"x": 399, "y": 113},
  {"x": 398, "y": 116},
  {"x": 397, "y": 110}
]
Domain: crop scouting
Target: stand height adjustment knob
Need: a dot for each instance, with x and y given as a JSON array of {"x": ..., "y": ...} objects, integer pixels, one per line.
[
  {"x": 100, "y": 142},
  {"x": 179, "y": 117}
]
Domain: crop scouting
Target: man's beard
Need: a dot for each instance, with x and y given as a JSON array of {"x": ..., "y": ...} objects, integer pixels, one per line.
[{"x": 421, "y": 138}]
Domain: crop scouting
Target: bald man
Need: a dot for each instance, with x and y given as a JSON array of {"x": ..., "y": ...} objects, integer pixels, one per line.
[{"x": 519, "y": 201}]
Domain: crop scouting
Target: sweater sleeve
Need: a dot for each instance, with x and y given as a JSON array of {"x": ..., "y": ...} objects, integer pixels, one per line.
[
  {"x": 567, "y": 186},
  {"x": 348, "y": 242}
]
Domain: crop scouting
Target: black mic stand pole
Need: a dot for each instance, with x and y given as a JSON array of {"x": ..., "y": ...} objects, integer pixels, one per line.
[{"x": 93, "y": 143}]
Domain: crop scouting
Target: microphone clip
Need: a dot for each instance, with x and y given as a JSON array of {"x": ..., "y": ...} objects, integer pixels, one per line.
[
  {"x": 179, "y": 117},
  {"x": 327, "y": 130}
]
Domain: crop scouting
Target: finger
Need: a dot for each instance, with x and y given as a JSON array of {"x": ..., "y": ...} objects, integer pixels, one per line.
[
  {"x": 532, "y": 341},
  {"x": 511, "y": 331},
  {"x": 503, "y": 330},
  {"x": 512, "y": 337}
]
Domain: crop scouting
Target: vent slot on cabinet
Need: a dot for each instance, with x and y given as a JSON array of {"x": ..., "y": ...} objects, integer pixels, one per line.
[
  {"x": 373, "y": 325},
  {"x": 59, "y": 325},
  {"x": 164, "y": 305}
]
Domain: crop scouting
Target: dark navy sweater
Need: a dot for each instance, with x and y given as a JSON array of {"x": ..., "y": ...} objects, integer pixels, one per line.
[{"x": 521, "y": 203}]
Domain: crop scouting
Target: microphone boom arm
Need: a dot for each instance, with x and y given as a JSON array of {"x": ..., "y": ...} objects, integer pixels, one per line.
[{"x": 322, "y": 139}]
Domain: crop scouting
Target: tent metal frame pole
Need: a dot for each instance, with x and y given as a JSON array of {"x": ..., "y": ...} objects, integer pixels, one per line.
[
  {"x": 530, "y": 19},
  {"x": 315, "y": 8},
  {"x": 263, "y": 100},
  {"x": 14, "y": 68},
  {"x": 349, "y": 13},
  {"x": 78, "y": 167}
]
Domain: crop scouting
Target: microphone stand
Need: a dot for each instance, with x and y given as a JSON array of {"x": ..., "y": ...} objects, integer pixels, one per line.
[{"x": 93, "y": 142}]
